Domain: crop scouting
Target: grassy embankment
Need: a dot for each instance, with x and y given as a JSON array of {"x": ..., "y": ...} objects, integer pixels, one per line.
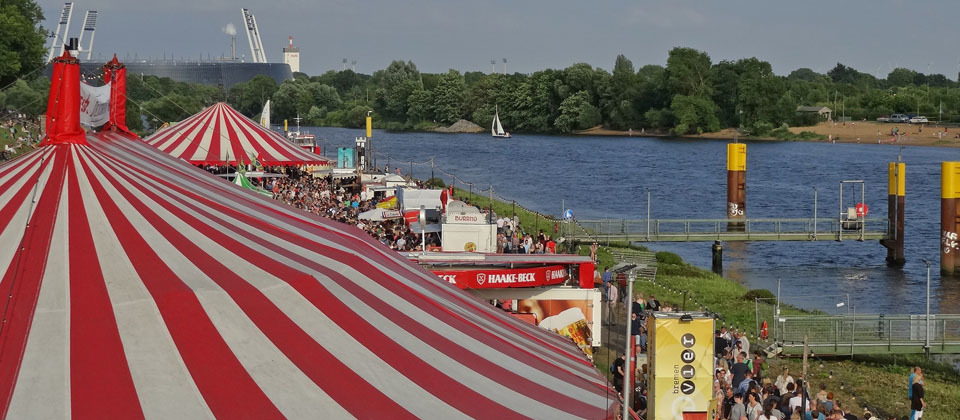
[
  {"x": 6, "y": 139},
  {"x": 877, "y": 382}
]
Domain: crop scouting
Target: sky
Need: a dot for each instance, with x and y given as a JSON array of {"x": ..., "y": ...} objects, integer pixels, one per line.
[{"x": 872, "y": 36}]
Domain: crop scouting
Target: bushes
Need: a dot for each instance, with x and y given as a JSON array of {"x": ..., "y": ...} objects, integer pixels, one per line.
[
  {"x": 436, "y": 183},
  {"x": 759, "y": 294},
  {"x": 664, "y": 257}
]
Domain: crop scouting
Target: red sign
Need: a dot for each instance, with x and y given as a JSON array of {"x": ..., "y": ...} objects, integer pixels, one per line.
[{"x": 501, "y": 278}]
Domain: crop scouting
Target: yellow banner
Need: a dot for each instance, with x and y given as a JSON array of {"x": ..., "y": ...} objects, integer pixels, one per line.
[
  {"x": 390, "y": 203},
  {"x": 681, "y": 360}
]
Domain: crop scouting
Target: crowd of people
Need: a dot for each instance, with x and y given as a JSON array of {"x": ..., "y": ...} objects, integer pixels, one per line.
[
  {"x": 16, "y": 136},
  {"x": 334, "y": 199},
  {"x": 338, "y": 199},
  {"x": 744, "y": 386},
  {"x": 511, "y": 238}
]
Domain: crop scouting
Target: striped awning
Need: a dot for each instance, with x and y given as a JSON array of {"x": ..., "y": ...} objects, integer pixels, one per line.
[
  {"x": 140, "y": 286},
  {"x": 219, "y": 135}
]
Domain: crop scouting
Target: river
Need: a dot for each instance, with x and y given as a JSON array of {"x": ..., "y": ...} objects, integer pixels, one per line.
[{"x": 607, "y": 177}]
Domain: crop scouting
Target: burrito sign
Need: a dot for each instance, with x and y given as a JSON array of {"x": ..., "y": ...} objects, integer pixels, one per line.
[
  {"x": 499, "y": 278},
  {"x": 94, "y": 105}
]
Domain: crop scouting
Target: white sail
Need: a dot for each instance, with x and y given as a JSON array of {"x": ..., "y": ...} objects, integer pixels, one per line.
[
  {"x": 500, "y": 131},
  {"x": 265, "y": 115}
]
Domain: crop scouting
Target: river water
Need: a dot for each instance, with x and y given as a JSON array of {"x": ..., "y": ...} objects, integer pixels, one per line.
[{"x": 607, "y": 177}]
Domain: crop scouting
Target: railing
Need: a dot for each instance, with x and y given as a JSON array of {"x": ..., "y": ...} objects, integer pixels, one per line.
[
  {"x": 869, "y": 334},
  {"x": 734, "y": 229}
]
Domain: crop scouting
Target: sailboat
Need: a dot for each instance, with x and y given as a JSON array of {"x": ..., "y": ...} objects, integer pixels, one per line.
[
  {"x": 265, "y": 115},
  {"x": 496, "y": 129}
]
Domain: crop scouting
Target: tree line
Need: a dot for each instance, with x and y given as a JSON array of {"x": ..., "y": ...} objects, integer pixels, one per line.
[{"x": 689, "y": 94}]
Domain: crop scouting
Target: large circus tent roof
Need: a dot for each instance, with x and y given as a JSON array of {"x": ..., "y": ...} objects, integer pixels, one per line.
[
  {"x": 221, "y": 135},
  {"x": 141, "y": 286}
]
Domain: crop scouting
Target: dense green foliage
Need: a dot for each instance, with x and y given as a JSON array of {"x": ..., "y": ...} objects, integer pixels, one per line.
[
  {"x": 21, "y": 39},
  {"x": 691, "y": 94}
]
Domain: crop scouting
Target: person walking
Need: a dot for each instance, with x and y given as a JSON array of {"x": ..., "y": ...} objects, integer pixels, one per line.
[
  {"x": 737, "y": 410},
  {"x": 618, "y": 373},
  {"x": 739, "y": 370},
  {"x": 917, "y": 403},
  {"x": 607, "y": 276},
  {"x": 783, "y": 379},
  {"x": 612, "y": 299}
]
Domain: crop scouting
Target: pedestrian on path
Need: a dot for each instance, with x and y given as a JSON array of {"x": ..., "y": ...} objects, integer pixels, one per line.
[{"x": 612, "y": 299}]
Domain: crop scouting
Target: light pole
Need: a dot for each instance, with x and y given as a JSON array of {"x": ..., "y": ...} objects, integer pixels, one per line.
[
  {"x": 648, "y": 214},
  {"x": 926, "y": 344},
  {"x": 628, "y": 354}
]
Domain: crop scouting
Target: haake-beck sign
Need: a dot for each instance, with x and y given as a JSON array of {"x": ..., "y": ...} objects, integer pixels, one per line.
[{"x": 500, "y": 278}]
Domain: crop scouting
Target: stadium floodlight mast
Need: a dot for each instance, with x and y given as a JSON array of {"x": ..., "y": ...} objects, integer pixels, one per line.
[
  {"x": 89, "y": 25},
  {"x": 63, "y": 27},
  {"x": 253, "y": 36}
]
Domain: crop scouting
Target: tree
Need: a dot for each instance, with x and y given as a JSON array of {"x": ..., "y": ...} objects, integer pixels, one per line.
[
  {"x": 249, "y": 97},
  {"x": 21, "y": 97},
  {"x": 694, "y": 115},
  {"x": 900, "y": 77},
  {"x": 448, "y": 97},
  {"x": 617, "y": 95},
  {"x": 577, "y": 113},
  {"x": 21, "y": 39},
  {"x": 688, "y": 72},
  {"x": 725, "y": 77},
  {"x": 284, "y": 104},
  {"x": 757, "y": 91},
  {"x": 652, "y": 90},
  {"x": 398, "y": 81},
  {"x": 804, "y": 74},
  {"x": 419, "y": 105}
]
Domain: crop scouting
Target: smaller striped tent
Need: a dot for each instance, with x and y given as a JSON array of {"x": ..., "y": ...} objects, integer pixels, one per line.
[{"x": 220, "y": 135}]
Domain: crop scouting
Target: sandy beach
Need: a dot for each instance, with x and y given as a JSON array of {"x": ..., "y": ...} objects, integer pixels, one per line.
[{"x": 867, "y": 132}]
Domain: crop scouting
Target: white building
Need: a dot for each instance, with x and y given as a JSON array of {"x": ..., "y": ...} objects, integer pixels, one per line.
[{"x": 291, "y": 56}]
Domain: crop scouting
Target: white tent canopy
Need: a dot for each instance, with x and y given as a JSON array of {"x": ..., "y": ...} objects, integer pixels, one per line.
[{"x": 412, "y": 199}]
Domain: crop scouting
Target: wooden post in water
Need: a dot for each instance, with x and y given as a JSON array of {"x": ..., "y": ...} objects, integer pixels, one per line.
[
  {"x": 736, "y": 184},
  {"x": 949, "y": 192},
  {"x": 896, "y": 191}
]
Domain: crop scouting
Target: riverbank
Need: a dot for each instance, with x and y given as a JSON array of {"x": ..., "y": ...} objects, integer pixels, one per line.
[
  {"x": 877, "y": 383},
  {"x": 855, "y": 132},
  {"x": 874, "y": 383}
]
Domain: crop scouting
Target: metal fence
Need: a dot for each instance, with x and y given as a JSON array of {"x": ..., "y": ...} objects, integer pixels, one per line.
[
  {"x": 869, "y": 334},
  {"x": 758, "y": 229}
]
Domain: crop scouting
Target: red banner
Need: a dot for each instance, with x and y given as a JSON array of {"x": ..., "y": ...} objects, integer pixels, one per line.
[{"x": 501, "y": 278}]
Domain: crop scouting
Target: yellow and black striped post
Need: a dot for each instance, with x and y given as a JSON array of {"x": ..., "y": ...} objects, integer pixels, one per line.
[
  {"x": 949, "y": 192},
  {"x": 736, "y": 183}
]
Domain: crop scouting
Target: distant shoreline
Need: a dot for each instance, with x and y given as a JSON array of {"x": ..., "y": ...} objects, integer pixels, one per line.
[{"x": 848, "y": 134}]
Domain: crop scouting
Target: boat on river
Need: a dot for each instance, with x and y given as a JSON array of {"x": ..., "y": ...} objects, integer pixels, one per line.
[{"x": 496, "y": 129}]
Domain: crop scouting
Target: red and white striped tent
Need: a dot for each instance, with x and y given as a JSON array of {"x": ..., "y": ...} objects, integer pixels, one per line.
[
  {"x": 141, "y": 286},
  {"x": 219, "y": 135}
]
